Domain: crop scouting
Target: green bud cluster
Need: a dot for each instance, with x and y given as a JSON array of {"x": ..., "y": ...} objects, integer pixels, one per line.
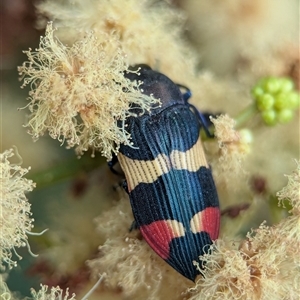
[{"x": 276, "y": 99}]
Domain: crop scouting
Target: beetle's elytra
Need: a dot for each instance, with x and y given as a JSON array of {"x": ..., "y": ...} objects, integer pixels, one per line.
[{"x": 170, "y": 185}]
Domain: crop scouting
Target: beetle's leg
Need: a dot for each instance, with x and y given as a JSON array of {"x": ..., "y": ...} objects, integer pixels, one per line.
[
  {"x": 112, "y": 163},
  {"x": 125, "y": 186},
  {"x": 206, "y": 123},
  {"x": 186, "y": 94},
  {"x": 204, "y": 119},
  {"x": 133, "y": 226}
]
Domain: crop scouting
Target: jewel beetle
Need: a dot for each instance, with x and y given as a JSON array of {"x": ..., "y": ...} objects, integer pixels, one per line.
[{"x": 170, "y": 185}]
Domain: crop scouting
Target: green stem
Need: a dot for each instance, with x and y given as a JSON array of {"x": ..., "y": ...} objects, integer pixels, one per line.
[
  {"x": 245, "y": 115},
  {"x": 66, "y": 169}
]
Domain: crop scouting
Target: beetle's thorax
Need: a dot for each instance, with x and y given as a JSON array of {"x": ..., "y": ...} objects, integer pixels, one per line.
[
  {"x": 159, "y": 86},
  {"x": 168, "y": 95}
]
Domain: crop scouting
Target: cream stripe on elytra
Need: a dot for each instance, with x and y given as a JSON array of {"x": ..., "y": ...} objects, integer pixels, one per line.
[
  {"x": 176, "y": 227},
  {"x": 147, "y": 171},
  {"x": 190, "y": 160}
]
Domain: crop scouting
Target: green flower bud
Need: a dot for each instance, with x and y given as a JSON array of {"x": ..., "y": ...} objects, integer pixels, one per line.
[
  {"x": 293, "y": 100},
  {"x": 286, "y": 85},
  {"x": 281, "y": 101},
  {"x": 265, "y": 102},
  {"x": 276, "y": 99},
  {"x": 272, "y": 85},
  {"x": 285, "y": 115},
  {"x": 257, "y": 91},
  {"x": 269, "y": 117}
]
